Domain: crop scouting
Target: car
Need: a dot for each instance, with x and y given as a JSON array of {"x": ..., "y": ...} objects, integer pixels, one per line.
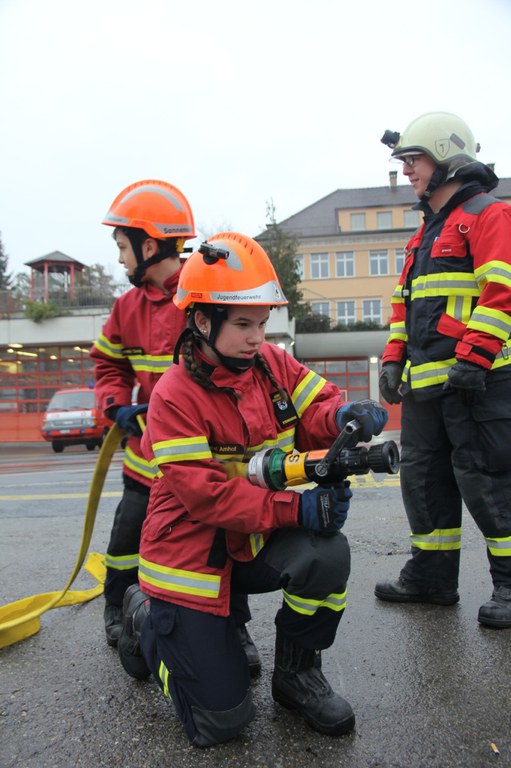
[{"x": 73, "y": 417}]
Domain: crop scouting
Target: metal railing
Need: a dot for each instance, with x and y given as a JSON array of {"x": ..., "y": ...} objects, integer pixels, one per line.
[{"x": 11, "y": 302}]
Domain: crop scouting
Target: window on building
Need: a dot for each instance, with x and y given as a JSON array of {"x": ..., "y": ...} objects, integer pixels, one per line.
[
  {"x": 299, "y": 265},
  {"x": 358, "y": 221},
  {"x": 321, "y": 308},
  {"x": 400, "y": 261},
  {"x": 345, "y": 264},
  {"x": 384, "y": 219},
  {"x": 319, "y": 266},
  {"x": 411, "y": 219},
  {"x": 351, "y": 376},
  {"x": 30, "y": 376},
  {"x": 346, "y": 313},
  {"x": 378, "y": 263},
  {"x": 371, "y": 310}
]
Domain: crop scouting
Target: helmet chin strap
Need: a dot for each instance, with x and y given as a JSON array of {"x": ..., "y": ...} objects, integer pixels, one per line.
[
  {"x": 234, "y": 364},
  {"x": 136, "y": 278},
  {"x": 438, "y": 178}
]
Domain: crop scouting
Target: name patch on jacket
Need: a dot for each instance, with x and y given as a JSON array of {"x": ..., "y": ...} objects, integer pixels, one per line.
[
  {"x": 227, "y": 449},
  {"x": 129, "y": 351},
  {"x": 285, "y": 412}
]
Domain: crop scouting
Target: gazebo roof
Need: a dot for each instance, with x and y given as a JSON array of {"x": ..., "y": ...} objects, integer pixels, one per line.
[{"x": 55, "y": 258}]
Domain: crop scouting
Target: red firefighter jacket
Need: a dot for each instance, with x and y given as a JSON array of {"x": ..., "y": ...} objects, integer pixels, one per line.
[
  {"x": 136, "y": 346},
  {"x": 453, "y": 299},
  {"x": 198, "y": 520}
]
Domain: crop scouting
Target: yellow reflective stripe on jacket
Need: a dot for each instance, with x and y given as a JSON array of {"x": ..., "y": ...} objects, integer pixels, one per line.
[
  {"x": 256, "y": 543},
  {"x": 150, "y": 363},
  {"x": 284, "y": 440},
  {"x": 493, "y": 272},
  {"x": 306, "y": 391},
  {"x": 122, "y": 562},
  {"x": 108, "y": 348},
  {"x": 178, "y": 580},
  {"x": 444, "y": 284},
  {"x": 398, "y": 331},
  {"x": 459, "y": 307},
  {"x": 308, "y": 606},
  {"x": 427, "y": 374},
  {"x": 397, "y": 296},
  {"x": 163, "y": 674},
  {"x": 500, "y": 547},
  {"x": 138, "y": 464},
  {"x": 182, "y": 449},
  {"x": 491, "y": 321},
  {"x": 439, "y": 539}
]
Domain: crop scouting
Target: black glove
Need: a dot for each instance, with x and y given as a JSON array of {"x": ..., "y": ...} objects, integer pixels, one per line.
[
  {"x": 126, "y": 418},
  {"x": 324, "y": 510},
  {"x": 371, "y": 416},
  {"x": 390, "y": 381},
  {"x": 467, "y": 379}
]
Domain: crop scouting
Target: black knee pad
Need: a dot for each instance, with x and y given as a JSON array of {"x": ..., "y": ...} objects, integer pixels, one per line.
[{"x": 217, "y": 727}]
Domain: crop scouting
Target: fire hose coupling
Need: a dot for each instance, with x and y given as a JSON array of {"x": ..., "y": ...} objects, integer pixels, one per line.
[{"x": 275, "y": 470}]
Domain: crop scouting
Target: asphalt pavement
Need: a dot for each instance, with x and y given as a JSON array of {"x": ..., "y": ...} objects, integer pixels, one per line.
[{"x": 429, "y": 685}]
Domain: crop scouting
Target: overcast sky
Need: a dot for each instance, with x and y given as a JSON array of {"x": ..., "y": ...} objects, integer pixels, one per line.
[{"x": 235, "y": 102}]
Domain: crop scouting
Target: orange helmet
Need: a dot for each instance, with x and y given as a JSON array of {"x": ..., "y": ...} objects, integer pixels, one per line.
[
  {"x": 229, "y": 268},
  {"x": 158, "y": 208}
]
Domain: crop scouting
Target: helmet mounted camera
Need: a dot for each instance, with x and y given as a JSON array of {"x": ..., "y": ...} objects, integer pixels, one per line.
[{"x": 390, "y": 138}]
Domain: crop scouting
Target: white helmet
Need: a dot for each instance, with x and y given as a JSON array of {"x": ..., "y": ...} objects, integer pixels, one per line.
[{"x": 445, "y": 137}]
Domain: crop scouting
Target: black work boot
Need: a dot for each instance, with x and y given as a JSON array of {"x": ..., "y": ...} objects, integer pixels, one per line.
[
  {"x": 298, "y": 683},
  {"x": 136, "y": 610},
  {"x": 400, "y": 591},
  {"x": 113, "y": 623},
  {"x": 497, "y": 611},
  {"x": 251, "y": 652}
]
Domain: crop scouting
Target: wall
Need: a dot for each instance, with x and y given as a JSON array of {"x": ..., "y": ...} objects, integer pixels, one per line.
[
  {"x": 58, "y": 330},
  {"x": 83, "y": 329},
  {"x": 346, "y": 345},
  {"x": 20, "y": 428}
]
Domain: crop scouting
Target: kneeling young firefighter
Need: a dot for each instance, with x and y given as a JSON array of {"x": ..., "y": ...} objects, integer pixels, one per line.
[{"x": 209, "y": 535}]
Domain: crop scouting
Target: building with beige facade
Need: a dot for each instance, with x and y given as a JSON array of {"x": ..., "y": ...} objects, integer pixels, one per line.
[
  {"x": 351, "y": 248},
  {"x": 350, "y": 252}
]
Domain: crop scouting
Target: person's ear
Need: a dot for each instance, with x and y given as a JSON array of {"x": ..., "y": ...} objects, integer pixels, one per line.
[
  {"x": 149, "y": 248},
  {"x": 202, "y": 322}
]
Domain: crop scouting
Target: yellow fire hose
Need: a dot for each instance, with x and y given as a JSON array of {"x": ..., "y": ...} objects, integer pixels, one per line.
[{"x": 21, "y": 619}]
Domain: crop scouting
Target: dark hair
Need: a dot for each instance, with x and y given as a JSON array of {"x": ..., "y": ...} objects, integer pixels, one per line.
[{"x": 138, "y": 236}]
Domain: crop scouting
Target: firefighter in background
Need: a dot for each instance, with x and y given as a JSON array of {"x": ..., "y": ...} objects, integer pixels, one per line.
[
  {"x": 152, "y": 221},
  {"x": 207, "y": 536},
  {"x": 448, "y": 360}
]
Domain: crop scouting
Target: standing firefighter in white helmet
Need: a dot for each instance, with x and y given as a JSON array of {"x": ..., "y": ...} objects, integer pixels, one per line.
[
  {"x": 208, "y": 535},
  {"x": 152, "y": 219},
  {"x": 448, "y": 360}
]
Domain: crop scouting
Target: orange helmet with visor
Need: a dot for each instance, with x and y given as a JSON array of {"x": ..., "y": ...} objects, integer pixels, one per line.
[
  {"x": 229, "y": 268},
  {"x": 159, "y": 208}
]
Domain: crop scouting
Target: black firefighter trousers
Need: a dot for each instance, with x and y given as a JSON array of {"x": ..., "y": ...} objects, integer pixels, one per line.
[
  {"x": 197, "y": 658},
  {"x": 453, "y": 451}
]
